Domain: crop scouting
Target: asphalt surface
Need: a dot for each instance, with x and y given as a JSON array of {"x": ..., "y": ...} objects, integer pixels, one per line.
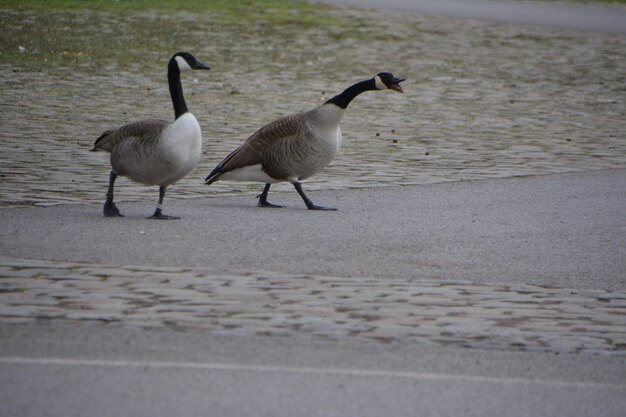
[
  {"x": 100, "y": 370},
  {"x": 558, "y": 230}
]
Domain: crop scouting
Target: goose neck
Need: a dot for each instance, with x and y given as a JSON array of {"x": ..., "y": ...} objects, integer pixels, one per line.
[
  {"x": 176, "y": 89},
  {"x": 342, "y": 100}
]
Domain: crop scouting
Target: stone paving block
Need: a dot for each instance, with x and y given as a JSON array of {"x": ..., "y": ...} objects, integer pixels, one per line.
[{"x": 521, "y": 317}]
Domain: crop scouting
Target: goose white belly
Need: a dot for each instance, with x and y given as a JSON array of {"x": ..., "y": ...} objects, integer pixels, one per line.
[
  {"x": 249, "y": 173},
  {"x": 177, "y": 151}
]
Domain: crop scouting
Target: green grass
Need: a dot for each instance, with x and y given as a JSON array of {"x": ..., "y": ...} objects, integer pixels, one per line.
[
  {"x": 126, "y": 5},
  {"x": 90, "y": 33},
  {"x": 272, "y": 11},
  {"x": 276, "y": 7}
]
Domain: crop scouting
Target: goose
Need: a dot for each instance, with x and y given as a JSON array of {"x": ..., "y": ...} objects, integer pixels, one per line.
[
  {"x": 295, "y": 147},
  {"x": 154, "y": 151}
]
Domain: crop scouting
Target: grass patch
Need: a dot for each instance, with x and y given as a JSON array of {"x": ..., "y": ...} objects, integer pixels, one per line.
[
  {"x": 88, "y": 35},
  {"x": 270, "y": 11}
]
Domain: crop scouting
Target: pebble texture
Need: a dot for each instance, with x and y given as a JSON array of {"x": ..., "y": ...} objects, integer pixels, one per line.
[
  {"x": 483, "y": 100},
  {"x": 510, "y": 317}
]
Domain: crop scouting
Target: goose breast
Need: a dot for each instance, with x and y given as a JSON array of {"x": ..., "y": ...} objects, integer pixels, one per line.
[{"x": 162, "y": 155}]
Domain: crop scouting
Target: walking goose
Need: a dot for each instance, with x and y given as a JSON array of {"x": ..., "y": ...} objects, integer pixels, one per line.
[
  {"x": 296, "y": 147},
  {"x": 154, "y": 151}
]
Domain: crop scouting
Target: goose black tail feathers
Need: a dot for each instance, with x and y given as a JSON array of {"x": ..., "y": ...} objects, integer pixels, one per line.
[
  {"x": 214, "y": 175},
  {"x": 99, "y": 140}
]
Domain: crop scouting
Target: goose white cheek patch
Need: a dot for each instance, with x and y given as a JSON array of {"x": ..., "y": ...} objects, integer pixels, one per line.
[
  {"x": 182, "y": 64},
  {"x": 379, "y": 83}
]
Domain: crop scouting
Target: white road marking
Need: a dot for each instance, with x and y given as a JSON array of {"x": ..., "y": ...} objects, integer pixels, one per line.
[{"x": 302, "y": 370}]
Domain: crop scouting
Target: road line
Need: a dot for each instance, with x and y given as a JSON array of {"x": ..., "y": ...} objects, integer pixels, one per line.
[{"x": 302, "y": 370}]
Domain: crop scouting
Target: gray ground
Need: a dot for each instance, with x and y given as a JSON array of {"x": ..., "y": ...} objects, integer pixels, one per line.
[
  {"x": 600, "y": 17},
  {"x": 562, "y": 230},
  {"x": 100, "y": 370},
  {"x": 451, "y": 299},
  {"x": 490, "y": 297}
]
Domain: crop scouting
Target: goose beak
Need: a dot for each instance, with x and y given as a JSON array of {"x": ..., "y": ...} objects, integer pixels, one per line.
[
  {"x": 396, "y": 85},
  {"x": 199, "y": 65}
]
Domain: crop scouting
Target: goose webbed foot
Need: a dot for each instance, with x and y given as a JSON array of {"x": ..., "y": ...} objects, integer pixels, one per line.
[
  {"x": 110, "y": 210},
  {"x": 158, "y": 215},
  {"x": 314, "y": 207},
  {"x": 263, "y": 199},
  {"x": 307, "y": 200},
  {"x": 265, "y": 203}
]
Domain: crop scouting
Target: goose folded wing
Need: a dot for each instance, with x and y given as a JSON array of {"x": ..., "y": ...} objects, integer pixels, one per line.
[
  {"x": 143, "y": 130},
  {"x": 252, "y": 150}
]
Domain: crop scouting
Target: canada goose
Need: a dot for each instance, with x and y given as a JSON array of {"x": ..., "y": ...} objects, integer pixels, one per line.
[
  {"x": 296, "y": 147},
  {"x": 154, "y": 151}
]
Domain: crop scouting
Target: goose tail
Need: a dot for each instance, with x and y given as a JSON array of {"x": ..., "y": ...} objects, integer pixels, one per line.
[
  {"x": 100, "y": 143},
  {"x": 214, "y": 175}
]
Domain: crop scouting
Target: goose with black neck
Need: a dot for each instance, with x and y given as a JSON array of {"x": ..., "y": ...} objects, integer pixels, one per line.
[
  {"x": 295, "y": 147},
  {"x": 155, "y": 151}
]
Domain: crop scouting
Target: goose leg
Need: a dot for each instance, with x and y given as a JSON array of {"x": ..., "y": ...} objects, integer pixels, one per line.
[
  {"x": 263, "y": 198},
  {"x": 109, "y": 206},
  {"x": 307, "y": 200},
  {"x": 158, "y": 214}
]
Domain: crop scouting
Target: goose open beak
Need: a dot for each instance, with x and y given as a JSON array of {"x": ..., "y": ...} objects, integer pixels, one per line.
[{"x": 396, "y": 85}]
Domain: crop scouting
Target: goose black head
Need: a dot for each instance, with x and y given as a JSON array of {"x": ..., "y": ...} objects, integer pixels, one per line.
[
  {"x": 386, "y": 80},
  {"x": 187, "y": 62}
]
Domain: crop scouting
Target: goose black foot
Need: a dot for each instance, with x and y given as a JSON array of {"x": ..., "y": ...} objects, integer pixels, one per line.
[
  {"x": 307, "y": 200},
  {"x": 314, "y": 207},
  {"x": 268, "y": 204},
  {"x": 110, "y": 210},
  {"x": 263, "y": 199},
  {"x": 158, "y": 215}
]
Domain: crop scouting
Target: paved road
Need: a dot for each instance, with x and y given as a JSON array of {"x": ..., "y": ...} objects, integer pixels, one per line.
[
  {"x": 103, "y": 370},
  {"x": 559, "y": 230},
  {"x": 565, "y": 15},
  {"x": 99, "y": 357}
]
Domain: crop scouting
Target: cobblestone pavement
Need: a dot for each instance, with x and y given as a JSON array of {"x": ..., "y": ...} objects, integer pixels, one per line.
[
  {"x": 511, "y": 317},
  {"x": 483, "y": 100}
]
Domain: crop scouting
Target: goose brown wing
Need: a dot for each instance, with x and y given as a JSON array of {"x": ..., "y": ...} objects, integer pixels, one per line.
[
  {"x": 144, "y": 131},
  {"x": 252, "y": 150}
]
